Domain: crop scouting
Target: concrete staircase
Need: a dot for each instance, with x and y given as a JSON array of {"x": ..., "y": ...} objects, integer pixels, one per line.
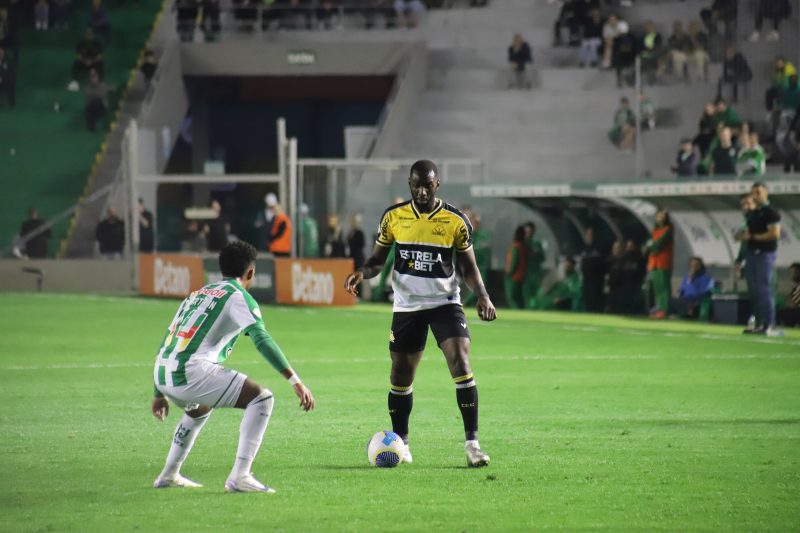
[{"x": 555, "y": 132}]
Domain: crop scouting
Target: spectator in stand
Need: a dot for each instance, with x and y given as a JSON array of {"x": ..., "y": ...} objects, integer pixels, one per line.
[
  {"x": 565, "y": 294},
  {"x": 375, "y": 8},
  {"x": 707, "y": 129},
  {"x": 519, "y": 55},
  {"x": 569, "y": 17},
  {"x": 148, "y": 66},
  {"x": 335, "y": 245},
  {"x": 96, "y": 100},
  {"x": 726, "y": 115},
  {"x": 216, "y": 229},
  {"x": 615, "y": 268},
  {"x": 110, "y": 235},
  {"x": 613, "y": 28},
  {"x": 686, "y": 161},
  {"x": 98, "y": 19},
  {"x": 408, "y": 12},
  {"x": 723, "y": 156},
  {"x": 623, "y": 58},
  {"x": 647, "y": 112},
  {"x": 535, "y": 272},
  {"x": 89, "y": 56},
  {"x": 694, "y": 294},
  {"x": 309, "y": 234},
  {"x": 36, "y": 247},
  {"x": 762, "y": 234},
  {"x": 780, "y": 81},
  {"x": 280, "y": 237},
  {"x": 651, "y": 51},
  {"x": 516, "y": 268},
  {"x": 210, "y": 23},
  {"x": 789, "y": 315},
  {"x": 326, "y": 12},
  {"x": 660, "y": 249},
  {"x": 623, "y": 134},
  {"x": 8, "y": 81},
  {"x": 60, "y": 13},
  {"x": 735, "y": 72},
  {"x": 776, "y": 10},
  {"x": 147, "y": 239},
  {"x": 264, "y": 219},
  {"x": 593, "y": 273},
  {"x": 356, "y": 241},
  {"x": 722, "y": 13},
  {"x": 790, "y": 97},
  {"x": 679, "y": 50},
  {"x": 751, "y": 160},
  {"x": 699, "y": 53},
  {"x": 591, "y": 40},
  {"x": 41, "y": 14}
]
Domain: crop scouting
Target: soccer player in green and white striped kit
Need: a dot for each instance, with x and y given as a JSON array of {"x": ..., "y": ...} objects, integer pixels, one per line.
[{"x": 189, "y": 372}]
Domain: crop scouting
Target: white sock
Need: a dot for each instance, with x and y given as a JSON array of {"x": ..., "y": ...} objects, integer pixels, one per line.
[
  {"x": 251, "y": 432},
  {"x": 473, "y": 443},
  {"x": 182, "y": 442}
]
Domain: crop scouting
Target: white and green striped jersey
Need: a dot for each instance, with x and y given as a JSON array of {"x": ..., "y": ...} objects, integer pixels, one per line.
[{"x": 206, "y": 327}]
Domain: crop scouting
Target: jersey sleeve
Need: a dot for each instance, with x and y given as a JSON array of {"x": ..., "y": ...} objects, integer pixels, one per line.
[
  {"x": 463, "y": 236},
  {"x": 245, "y": 312},
  {"x": 385, "y": 231}
]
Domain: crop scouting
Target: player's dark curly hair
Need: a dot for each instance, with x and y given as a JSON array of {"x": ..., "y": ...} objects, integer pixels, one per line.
[{"x": 235, "y": 258}]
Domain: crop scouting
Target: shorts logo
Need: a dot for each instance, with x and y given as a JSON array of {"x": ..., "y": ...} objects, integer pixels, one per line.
[
  {"x": 391, "y": 336},
  {"x": 463, "y": 325}
]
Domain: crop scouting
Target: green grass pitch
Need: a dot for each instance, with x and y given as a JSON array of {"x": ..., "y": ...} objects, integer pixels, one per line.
[{"x": 592, "y": 422}]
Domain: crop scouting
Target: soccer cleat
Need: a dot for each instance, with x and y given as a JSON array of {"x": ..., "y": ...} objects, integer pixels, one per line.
[
  {"x": 175, "y": 481},
  {"x": 247, "y": 483},
  {"x": 406, "y": 455},
  {"x": 475, "y": 456},
  {"x": 774, "y": 332}
]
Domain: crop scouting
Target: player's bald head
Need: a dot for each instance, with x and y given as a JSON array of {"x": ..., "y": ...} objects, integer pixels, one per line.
[{"x": 424, "y": 168}]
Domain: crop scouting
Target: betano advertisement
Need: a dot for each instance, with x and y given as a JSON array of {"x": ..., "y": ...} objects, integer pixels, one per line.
[
  {"x": 169, "y": 274},
  {"x": 263, "y": 287},
  {"x": 313, "y": 281}
]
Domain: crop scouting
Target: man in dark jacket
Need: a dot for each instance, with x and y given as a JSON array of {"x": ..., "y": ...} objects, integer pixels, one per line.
[
  {"x": 593, "y": 270},
  {"x": 36, "y": 247},
  {"x": 735, "y": 71},
  {"x": 110, "y": 235}
]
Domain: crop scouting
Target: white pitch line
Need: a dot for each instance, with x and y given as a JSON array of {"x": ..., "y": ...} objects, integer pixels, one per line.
[{"x": 384, "y": 360}]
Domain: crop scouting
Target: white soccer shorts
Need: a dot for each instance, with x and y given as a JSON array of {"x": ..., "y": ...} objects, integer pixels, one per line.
[{"x": 207, "y": 383}]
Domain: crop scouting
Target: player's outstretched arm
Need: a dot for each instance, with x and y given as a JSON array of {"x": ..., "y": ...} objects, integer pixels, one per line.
[
  {"x": 472, "y": 277},
  {"x": 372, "y": 267},
  {"x": 270, "y": 350}
]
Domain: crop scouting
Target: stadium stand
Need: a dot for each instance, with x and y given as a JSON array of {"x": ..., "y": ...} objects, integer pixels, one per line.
[{"x": 46, "y": 152}]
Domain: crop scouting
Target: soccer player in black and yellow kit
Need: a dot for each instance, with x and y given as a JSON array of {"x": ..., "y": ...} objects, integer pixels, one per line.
[{"x": 432, "y": 239}]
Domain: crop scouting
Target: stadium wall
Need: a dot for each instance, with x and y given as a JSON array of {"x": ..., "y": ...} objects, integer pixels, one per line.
[{"x": 79, "y": 275}]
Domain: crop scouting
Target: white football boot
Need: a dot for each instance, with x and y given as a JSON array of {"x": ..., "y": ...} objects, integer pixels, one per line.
[
  {"x": 475, "y": 456},
  {"x": 175, "y": 481},
  {"x": 406, "y": 458},
  {"x": 247, "y": 483}
]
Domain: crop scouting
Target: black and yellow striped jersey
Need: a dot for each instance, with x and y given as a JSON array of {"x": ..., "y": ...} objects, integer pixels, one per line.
[{"x": 424, "y": 273}]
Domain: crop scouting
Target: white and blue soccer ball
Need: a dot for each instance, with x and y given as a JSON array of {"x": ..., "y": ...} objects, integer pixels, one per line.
[{"x": 385, "y": 449}]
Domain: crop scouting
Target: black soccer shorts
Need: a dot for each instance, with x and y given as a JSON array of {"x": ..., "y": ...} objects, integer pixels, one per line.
[{"x": 410, "y": 329}]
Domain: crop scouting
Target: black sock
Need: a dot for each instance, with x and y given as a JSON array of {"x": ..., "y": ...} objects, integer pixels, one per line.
[
  {"x": 468, "y": 403},
  {"x": 400, "y": 406}
]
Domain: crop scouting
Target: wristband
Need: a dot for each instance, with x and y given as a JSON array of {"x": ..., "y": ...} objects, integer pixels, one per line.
[{"x": 294, "y": 380}]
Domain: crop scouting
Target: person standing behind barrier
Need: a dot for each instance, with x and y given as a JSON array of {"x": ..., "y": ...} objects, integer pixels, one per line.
[
  {"x": 356, "y": 241},
  {"x": 110, "y": 235},
  {"x": 482, "y": 245},
  {"x": 36, "y": 247},
  {"x": 762, "y": 234},
  {"x": 309, "y": 233},
  {"x": 280, "y": 238},
  {"x": 747, "y": 206},
  {"x": 659, "y": 263},
  {"x": 536, "y": 258},
  {"x": 516, "y": 267},
  {"x": 263, "y": 223}
]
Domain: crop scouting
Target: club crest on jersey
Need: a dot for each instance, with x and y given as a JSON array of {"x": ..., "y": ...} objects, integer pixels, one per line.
[
  {"x": 438, "y": 230},
  {"x": 421, "y": 260}
]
